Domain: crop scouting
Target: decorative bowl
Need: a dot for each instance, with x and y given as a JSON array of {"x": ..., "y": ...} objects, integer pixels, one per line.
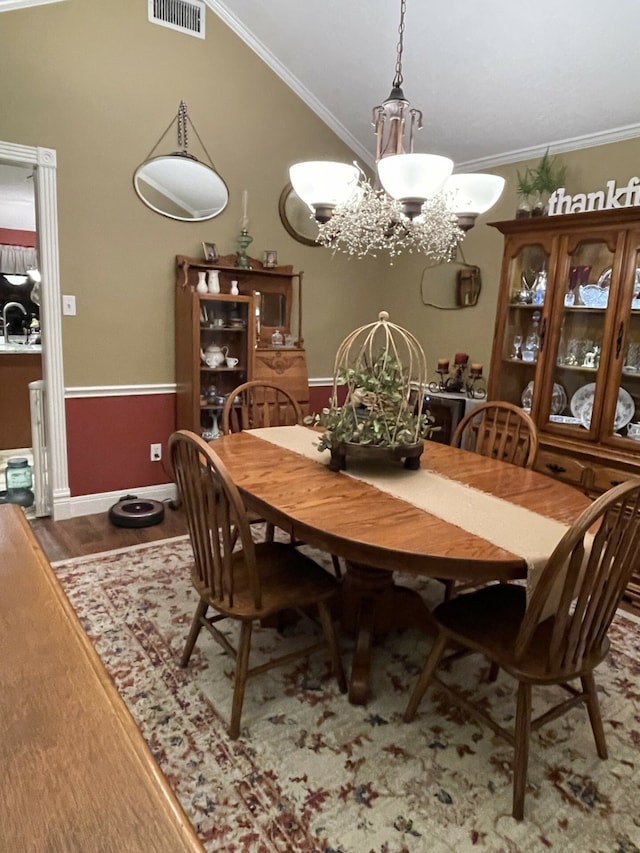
[{"x": 594, "y": 296}]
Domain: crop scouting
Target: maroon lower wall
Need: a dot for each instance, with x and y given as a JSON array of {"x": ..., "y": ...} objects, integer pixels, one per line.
[
  {"x": 319, "y": 397},
  {"x": 108, "y": 439}
]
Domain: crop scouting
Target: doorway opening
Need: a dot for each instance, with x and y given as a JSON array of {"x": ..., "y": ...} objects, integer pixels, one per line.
[{"x": 41, "y": 162}]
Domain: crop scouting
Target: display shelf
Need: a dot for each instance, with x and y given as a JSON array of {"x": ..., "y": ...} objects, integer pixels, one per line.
[
  {"x": 595, "y": 245},
  {"x": 239, "y": 325}
]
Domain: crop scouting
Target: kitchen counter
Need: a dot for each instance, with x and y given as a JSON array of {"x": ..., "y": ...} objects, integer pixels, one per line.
[{"x": 15, "y": 346}]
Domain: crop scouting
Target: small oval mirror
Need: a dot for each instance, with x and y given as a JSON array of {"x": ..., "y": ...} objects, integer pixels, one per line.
[{"x": 181, "y": 187}]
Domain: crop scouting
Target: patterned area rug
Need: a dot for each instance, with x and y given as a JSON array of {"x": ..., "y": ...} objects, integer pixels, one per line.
[{"x": 313, "y": 773}]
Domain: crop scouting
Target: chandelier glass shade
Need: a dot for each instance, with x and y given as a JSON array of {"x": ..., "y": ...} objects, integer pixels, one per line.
[
  {"x": 322, "y": 184},
  {"x": 414, "y": 204},
  {"x": 472, "y": 194},
  {"x": 412, "y": 179}
]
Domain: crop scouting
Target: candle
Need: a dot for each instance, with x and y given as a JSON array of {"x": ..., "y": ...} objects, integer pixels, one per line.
[
  {"x": 244, "y": 222},
  {"x": 443, "y": 365},
  {"x": 475, "y": 369},
  {"x": 461, "y": 358}
]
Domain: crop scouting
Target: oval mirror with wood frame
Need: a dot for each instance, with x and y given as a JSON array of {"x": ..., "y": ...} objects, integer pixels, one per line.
[{"x": 297, "y": 218}]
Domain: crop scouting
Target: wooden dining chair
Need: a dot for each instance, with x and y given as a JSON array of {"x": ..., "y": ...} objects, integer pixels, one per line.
[
  {"x": 558, "y": 637},
  {"x": 501, "y": 431},
  {"x": 257, "y": 404},
  {"x": 238, "y": 579},
  {"x": 263, "y": 404}
]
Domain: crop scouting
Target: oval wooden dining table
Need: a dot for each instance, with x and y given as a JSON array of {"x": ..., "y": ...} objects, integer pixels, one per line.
[{"x": 378, "y": 534}]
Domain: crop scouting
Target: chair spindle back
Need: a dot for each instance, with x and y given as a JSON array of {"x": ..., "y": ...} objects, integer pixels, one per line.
[{"x": 216, "y": 519}]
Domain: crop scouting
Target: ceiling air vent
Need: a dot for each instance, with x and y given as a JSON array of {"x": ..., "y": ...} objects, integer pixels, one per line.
[{"x": 187, "y": 16}]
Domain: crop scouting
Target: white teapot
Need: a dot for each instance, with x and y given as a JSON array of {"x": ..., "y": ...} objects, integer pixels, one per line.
[{"x": 214, "y": 355}]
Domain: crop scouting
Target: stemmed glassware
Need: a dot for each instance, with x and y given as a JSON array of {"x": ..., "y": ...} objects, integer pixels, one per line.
[{"x": 517, "y": 344}]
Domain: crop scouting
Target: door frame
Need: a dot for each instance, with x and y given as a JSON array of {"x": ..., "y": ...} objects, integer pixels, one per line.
[{"x": 44, "y": 164}]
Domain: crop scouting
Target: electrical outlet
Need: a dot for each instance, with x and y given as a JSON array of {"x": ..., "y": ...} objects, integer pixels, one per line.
[{"x": 156, "y": 452}]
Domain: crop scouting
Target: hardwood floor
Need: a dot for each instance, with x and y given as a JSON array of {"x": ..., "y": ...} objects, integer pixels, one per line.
[{"x": 90, "y": 534}]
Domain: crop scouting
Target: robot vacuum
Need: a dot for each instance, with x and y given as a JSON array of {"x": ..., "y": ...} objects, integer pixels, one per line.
[{"x": 133, "y": 512}]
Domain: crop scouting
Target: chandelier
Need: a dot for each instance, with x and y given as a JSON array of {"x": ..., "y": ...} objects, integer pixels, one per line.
[{"x": 414, "y": 204}]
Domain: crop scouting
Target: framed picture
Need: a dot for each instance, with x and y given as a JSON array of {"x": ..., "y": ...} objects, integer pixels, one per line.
[
  {"x": 270, "y": 259},
  {"x": 210, "y": 252}
]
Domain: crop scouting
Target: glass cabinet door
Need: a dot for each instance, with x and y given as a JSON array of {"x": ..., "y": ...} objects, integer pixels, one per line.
[
  {"x": 225, "y": 343},
  {"x": 623, "y": 415},
  {"x": 577, "y": 337},
  {"x": 523, "y": 324}
]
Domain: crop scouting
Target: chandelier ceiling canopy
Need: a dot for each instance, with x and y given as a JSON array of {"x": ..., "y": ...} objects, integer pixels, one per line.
[{"x": 415, "y": 203}]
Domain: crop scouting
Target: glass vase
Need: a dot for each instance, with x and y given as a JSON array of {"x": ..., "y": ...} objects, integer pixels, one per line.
[{"x": 523, "y": 211}]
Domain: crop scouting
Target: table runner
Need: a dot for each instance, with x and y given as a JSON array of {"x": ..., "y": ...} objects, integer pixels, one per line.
[{"x": 516, "y": 529}]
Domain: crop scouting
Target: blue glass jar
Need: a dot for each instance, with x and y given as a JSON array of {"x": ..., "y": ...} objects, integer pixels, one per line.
[{"x": 19, "y": 482}]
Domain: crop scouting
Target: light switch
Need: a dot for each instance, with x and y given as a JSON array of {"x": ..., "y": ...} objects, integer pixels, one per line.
[{"x": 69, "y": 305}]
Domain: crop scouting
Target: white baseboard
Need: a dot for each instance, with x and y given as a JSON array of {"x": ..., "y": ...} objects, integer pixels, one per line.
[{"x": 91, "y": 504}]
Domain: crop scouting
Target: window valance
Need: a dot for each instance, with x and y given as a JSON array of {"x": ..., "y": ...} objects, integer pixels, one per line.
[{"x": 16, "y": 260}]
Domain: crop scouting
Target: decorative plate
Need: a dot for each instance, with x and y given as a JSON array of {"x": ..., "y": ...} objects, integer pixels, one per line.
[
  {"x": 605, "y": 278},
  {"x": 594, "y": 296},
  {"x": 582, "y": 406},
  {"x": 558, "y": 398}
]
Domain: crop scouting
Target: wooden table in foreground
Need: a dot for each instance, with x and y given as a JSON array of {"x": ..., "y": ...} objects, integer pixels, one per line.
[
  {"x": 378, "y": 534},
  {"x": 76, "y": 772}
]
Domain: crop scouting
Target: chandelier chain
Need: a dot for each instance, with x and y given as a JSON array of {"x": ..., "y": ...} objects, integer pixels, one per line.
[
  {"x": 182, "y": 125},
  {"x": 397, "y": 80}
]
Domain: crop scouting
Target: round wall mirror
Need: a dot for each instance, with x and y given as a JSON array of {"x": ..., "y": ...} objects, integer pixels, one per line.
[
  {"x": 296, "y": 217},
  {"x": 181, "y": 187}
]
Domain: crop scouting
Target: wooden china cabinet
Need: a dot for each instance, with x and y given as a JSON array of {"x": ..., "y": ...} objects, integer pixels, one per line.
[
  {"x": 567, "y": 343},
  {"x": 241, "y": 326}
]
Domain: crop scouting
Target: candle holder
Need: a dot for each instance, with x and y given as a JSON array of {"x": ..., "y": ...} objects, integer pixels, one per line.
[
  {"x": 243, "y": 242},
  {"x": 462, "y": 379}
]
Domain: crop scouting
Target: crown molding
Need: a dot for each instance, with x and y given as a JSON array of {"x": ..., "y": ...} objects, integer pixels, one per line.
[
  {"x": 10, "y": 5},
  {"x": 606, "y": 137}
]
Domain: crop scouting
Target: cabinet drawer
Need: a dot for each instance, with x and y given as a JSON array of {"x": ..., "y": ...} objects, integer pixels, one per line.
[
  {"x": 287, "y": 368},
  {"x": 605, "y": 478},
  {"x": 562, "y": 468}
]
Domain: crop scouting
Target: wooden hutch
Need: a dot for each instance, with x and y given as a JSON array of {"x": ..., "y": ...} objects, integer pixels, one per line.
[
  {"x": 567, "y": 343},
  {"x": 242, "y": 326}
]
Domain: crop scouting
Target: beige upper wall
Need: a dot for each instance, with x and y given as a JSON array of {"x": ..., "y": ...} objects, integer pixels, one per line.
[{"x": 99, "y": 84}]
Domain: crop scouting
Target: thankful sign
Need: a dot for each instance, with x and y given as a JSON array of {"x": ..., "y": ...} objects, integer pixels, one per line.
[{"x": 613, "y": 196}]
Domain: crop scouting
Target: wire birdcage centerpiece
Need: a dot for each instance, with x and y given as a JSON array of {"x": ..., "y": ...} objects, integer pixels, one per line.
[{"x": 384, "y": 370}]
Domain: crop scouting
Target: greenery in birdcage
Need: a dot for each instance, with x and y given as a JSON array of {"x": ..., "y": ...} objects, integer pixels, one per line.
[{"x": 380, "y": 408}]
